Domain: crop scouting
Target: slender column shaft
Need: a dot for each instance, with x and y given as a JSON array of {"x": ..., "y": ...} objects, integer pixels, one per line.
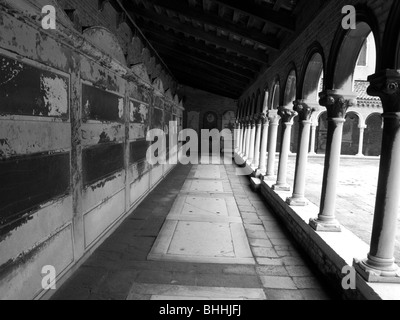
[
  {"x": 264, "y": 144},
  {"x": 257, "y": 145},
  {"x": 236, "y": 136},
  {"x": 248, "y": 137},
  {"x": 252, "y": 141},
  {"x": 287, "y": 119},
  {"x": 380, "y": 265},
  {"x": 243, "y": 138},
  {"x": 305, "y": 111},
  {"x": 240, "y": 140},
  {"x": 361, "y": 142},
  {"x": 337, "y": 103},
  {"x": 273, "y": 137},
  {"x": 313, "y": 139}
]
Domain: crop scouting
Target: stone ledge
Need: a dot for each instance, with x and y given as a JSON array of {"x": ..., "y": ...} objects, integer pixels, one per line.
[
  {"x": 334, "y": 250},
  {"x": 329, "y": 251}
]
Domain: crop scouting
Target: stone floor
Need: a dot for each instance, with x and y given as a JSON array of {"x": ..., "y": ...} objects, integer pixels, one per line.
[{"x": 252, "y": 258}]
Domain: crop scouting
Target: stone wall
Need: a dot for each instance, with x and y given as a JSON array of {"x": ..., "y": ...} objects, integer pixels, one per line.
[{"x": 73, "y": 122}]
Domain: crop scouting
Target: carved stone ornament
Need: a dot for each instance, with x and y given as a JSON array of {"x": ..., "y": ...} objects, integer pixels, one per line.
[
  {"x": 337, "y": 102},
  {"x": 287, "y": 115}
]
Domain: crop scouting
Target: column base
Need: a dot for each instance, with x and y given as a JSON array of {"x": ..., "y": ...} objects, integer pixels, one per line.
[
  {"x": 281, "y": 187},
  {"x": 255, "y": 184},
  {"x": 323, "y": 226},
  {"x": 260, "y": 173},
  {"x": 297, "y": 202},
  {"x": 373, "y": 275}
]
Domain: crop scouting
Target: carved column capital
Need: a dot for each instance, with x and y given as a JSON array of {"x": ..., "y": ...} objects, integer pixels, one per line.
[
  {"x": 287, "y": 115},
  {"x": 263, "y": 119},
  {"x": 386, "y": 85},
  {"x": 303, "y": 109},
  {"x": 337, "y": 102}
]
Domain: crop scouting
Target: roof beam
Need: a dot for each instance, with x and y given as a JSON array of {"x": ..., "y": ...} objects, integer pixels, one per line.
[
  {"x": 209, "y": 18},
  {"x": 209, "y": 86},
  {"x": 201, "y": 58},
  {"x": 193, "y": 70},
  {"x": 278, "y": 4},
  {"x": 262, "y": 12},
  {"x": 159, "y": 35},
  {"x": 201, "y": 34}
]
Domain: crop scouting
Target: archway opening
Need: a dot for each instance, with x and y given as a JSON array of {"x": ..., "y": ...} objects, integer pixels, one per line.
[
  {"x": 313, "y": 79},
  {"x": 373, "y": 135},
  {"x": 354, "y": 58},
  {"x": 276, "y": 97},
  {"x": 322, "y": 133},
  {"x": 351, "y": 134}
]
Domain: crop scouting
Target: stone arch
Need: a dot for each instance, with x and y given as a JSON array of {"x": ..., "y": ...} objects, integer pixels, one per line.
[
  {"x": 290, "y": 89},
  {"x": 265, "y": 101},
  {"x": 346, "y": 48},
  {"x": 322, "y": 130},
  {"x": 106, "y": 41},
  {"x": 258, "y": 104},
  {"x": 275, "y": 96},
  {"x": 158, "y": 85},
  {"x": 373, "y": 135},
  {"x": 391, "y": 39},
  {"x": 351, "y": 134},
  {"x": 253, "y": 104},
  {"x": 313, "y": 70},
  {"x": 248, "y": 107}
]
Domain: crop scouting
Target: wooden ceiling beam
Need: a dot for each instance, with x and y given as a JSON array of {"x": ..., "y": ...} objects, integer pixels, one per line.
[
  {"x": 281, "y": 20},
  {"x": 195, "y": 70},
  {"x": 201, "y": 58},
  {"x": 208, "y": 86},
  {"x": 203, "y": 35},
  {"x": 159, "y": 35},
  {"x": 209, "y": 18}
]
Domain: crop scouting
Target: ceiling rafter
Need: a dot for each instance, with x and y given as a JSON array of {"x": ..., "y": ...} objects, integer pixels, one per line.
[
  {"x": 165, "y": 48},
  {"x": 158, "y": 34},
  {"x": 182, "y": 8},
  {"x": 280, "y": 20},
  {"x": 248, "y": 52}
]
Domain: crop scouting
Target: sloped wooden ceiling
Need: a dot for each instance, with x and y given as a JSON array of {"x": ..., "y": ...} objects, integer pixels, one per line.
[{"x": 219, "y": 46}]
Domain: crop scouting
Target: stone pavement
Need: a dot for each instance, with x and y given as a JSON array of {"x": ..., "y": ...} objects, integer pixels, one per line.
[{"x": 124, "y": 267}]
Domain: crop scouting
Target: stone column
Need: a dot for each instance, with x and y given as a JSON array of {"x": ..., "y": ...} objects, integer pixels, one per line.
[
  {"x": 305, "y": 111},
  {"x": 380, "y": 265},
  {"x": 313, "y": 138},
  {"x": 361, "y": 142},
  {"x": 236, "y": 136},
  {"x": 242, "y": 138},
  {"x": 239, "y": 142},
  {"x": 287, "y": 116},
  {"x": 252, "y": 140},
  {"x": 337, "y": 102},
  {"x": 264, "y": 143},
  {"x": 257, "y": 145},
  {"x": 248, "y": 136},
  {"x": 273, "y": 136}
]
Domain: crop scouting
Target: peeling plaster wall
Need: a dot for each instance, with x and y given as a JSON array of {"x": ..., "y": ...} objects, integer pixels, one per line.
[{"x": 73, "y": 125}]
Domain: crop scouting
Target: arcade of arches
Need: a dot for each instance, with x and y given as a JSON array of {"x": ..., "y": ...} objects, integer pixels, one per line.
[{"x": 77, "y": 103}]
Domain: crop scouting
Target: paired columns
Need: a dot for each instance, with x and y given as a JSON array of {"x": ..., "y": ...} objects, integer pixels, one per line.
[
  {"x": 304, "y": 111},
  {"x": 337, "y": 102},
  {"x": 380, "y": 265},
  {"x": 287, "y": 116}
]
